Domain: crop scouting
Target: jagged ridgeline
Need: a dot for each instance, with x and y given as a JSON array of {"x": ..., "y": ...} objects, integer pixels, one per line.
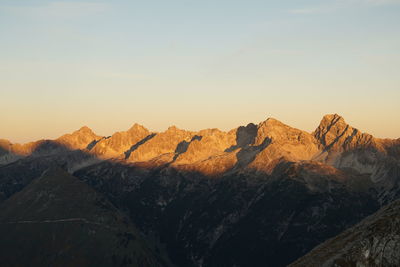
[{"x": 259, "y": 195}]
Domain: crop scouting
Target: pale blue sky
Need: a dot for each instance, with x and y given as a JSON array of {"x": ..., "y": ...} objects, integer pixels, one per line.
[{"x": 197, "y": 64}]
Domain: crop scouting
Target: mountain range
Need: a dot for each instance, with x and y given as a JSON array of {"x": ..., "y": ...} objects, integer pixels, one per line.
[{"x": 258, "y": 195}]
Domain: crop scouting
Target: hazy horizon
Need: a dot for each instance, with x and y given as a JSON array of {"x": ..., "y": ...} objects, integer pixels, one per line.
[{"x": 196, "y": 65}]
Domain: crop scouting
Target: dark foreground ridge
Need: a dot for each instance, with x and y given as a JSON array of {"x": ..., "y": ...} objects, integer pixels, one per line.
[
  {"x": 58, "y": 220},
  {"x": 373, "y": 242}
]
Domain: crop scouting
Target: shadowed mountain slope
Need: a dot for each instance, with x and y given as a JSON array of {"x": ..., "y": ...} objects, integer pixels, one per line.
[
  {"x": 373, "y": 242},
  {"x": 58, "y": 220},
  {"x": 240, "y": 219}
]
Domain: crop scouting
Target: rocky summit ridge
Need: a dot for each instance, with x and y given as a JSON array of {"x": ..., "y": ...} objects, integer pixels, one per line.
[
  {"x": 212, "y": 152},
  {"x": 255, "y": 146}
]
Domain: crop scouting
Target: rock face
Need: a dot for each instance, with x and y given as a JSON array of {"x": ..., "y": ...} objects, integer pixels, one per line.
[
  {"x": 345, "y": 147},
  {"x": 79, "y": 139},
  {"x": 259, "y": 195},
  {"x": 58, "y": 220},
  {"x": 282, "y": 143},
  {"x": 206, "y": 144},
  {"x": 373, "y": 242},
  {"x": 167, "y": 144},
  {"x": 120, "y": 143},
  {"x": 336, "y": 136}
]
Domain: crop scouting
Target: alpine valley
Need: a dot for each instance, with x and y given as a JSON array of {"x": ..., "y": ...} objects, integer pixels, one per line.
[{"x": 262, "y": 194}]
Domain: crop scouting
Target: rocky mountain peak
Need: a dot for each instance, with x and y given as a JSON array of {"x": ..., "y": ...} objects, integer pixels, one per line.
[
  {"x": 276, "y": 131},
  {"x": 84, "y": 129},
  {"x": 79, "y": 139},
  {"x": 83, "y": 132},
  {"x": 120, "y": 142},
  {"x": 273, "y": 121},
  {"x": 334, "y": 134},
  {"x": 332, "y": 118},
  {"x": 172, "y": 129},
  {"x": 138, "y": 128},
  {"x": 279, "y": 141},
  {"x": 332, "y": 123},
  {"x": 331, "y": 129}
]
